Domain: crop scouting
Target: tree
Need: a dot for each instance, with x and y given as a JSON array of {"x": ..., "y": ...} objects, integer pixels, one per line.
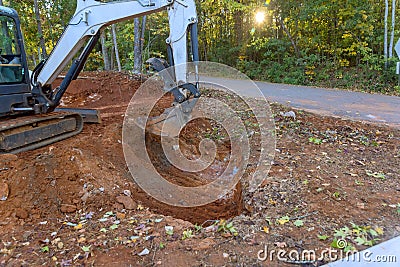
[
  {"x": 114, "y": 35},
  {"x": 43, "y": 53},
  {"x": 104, "y": 51},
  {"x": 137, "y": 65},
  {"x": 393, "y": 25},
  {"x": 385, "y": 40}
]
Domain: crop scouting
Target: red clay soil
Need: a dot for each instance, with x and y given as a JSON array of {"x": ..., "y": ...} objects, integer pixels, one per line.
[
  {"x": 110, "y": 93},
  {"x": 74, "y": 203}
]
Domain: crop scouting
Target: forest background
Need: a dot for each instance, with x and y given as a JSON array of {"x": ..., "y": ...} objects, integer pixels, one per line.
[{"x": 345, "y": 44}]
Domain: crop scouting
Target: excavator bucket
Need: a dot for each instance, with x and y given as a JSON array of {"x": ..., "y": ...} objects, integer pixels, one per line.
[
  {"x": 168, "y": 124},
  {"x": 88, "y": 115}
]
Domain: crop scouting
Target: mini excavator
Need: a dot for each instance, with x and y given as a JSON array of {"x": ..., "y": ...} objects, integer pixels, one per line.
[{"x": 29, "y": 113}]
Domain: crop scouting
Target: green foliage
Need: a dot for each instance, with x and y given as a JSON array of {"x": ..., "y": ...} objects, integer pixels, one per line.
[
  {"x": 315, "y": 140},
  {"x": 347, "y": 237},
  {"x": 323, "y": 237},
  {"x": 324, "y": 43},
  {"x": 225, "y": 227},
  {"x": 187, "y": 234}
]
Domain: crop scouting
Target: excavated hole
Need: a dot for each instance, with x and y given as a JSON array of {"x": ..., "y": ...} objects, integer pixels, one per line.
[{"x": 190, "y": 137}]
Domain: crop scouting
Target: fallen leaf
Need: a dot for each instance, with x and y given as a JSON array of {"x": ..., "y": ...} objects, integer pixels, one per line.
[
  {"x": 86, "y": 248},
  {"x": 323, "y": 237},
  {"x": 298, "y": 223},
  {"x": 135, "y": 238},
  {"x": 169, "y": 230},
  {"x": 283, "y": 220},
  {"x": 108, "y": 214},
  {"x": 144, "y": 252},
  {"x": 379, "y": 230},
  {"x": 379, "y": 175},
  {"x": 121, "y": 216},
  {"x": 114, "y": 226}
]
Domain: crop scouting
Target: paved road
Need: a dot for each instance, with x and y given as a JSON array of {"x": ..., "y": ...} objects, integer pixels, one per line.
[{"x": 351, "y": 105}]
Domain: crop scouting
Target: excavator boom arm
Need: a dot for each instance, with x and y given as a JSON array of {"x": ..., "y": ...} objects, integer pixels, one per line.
[
  {"x": 92, "y": 16},
  {"x": 21, "y": 98}
]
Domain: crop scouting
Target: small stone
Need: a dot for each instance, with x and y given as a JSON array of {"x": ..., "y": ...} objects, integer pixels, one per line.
[
  {"x": 67, "y": 208},
  {"x": 4, "y": 191},
  {"x": 127, "y": 193},
  {"x": 225, "y": 255},
  {"x": 21, "y": 213},
  {"x": 128, "y": 202},
  {"x": 144, "y": 252},
  {"x": 290, "y": 114},
  {"x": 204, "y": 244}
]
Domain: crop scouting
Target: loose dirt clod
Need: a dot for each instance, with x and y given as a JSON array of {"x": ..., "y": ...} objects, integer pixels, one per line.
[
  {"x": 128, "y": 202},
  {"x": 67, "y": 208},
  {"x": 21, "y": 214}
]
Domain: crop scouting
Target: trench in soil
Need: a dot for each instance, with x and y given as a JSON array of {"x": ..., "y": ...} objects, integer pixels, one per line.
[{"x": 111, "y": 93}]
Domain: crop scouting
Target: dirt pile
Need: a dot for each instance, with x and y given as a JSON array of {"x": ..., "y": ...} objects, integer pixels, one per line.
[{"x": 88, "y": 172}]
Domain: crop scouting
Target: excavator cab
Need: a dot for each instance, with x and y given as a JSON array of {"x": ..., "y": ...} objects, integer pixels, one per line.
[
  {"x": 11, "y": 70},
  {"x": 14, "y": 77},
  {"x": 29, "y": 117}
]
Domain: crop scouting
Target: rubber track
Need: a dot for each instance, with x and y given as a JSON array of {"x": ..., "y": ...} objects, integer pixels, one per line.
[{"x": 26, "y": 121}]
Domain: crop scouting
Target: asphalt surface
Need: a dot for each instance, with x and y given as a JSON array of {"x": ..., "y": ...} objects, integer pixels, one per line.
[{"x": 356, "y": 106}]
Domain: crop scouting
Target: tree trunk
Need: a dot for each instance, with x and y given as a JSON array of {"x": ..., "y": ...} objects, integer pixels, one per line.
[
  {"x": 296, "y": 49},
  {"x": 393, "y": 24},
  {"x": 40, "y": 31},
  {"x": 137, "y": 62},
  {"x": 385, "y": 38},
  {"x": 112, "y": 54},
  {"x": 114, "y": 34},
  {"x": 104, "y": 51},
  {"x": 144, "y": 19}
]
